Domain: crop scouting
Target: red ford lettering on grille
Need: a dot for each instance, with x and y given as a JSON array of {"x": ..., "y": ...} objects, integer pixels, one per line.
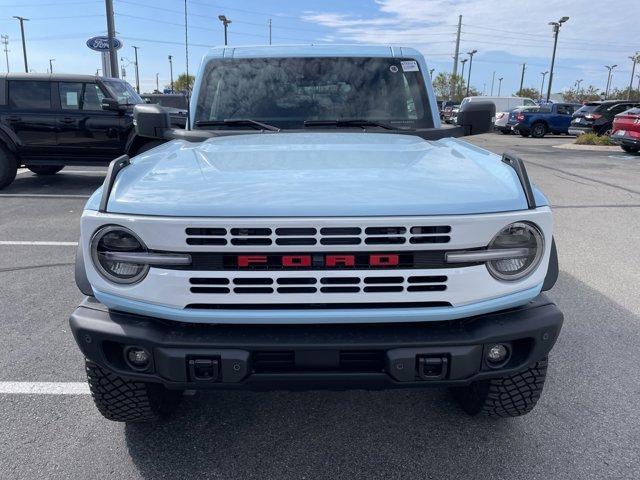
[
  {"x": 384, "y": 260},
  {"x": 249, "y": 260},
  {"x": 296, "y": 261},
  {"x": 340, "y": 261}
]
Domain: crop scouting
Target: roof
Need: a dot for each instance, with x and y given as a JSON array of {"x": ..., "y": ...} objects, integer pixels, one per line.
[
  {"x": 56, "y": 77},
  {"x": 312, "y": 50}
]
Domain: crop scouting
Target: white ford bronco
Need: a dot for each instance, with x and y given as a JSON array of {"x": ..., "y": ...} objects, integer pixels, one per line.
[{"x": 315, "y": 227}]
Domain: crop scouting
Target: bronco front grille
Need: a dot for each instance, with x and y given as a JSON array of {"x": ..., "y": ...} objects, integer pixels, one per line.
[{"x": 276, "y": 236}]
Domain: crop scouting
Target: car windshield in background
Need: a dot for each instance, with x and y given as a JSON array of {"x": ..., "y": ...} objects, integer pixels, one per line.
[
  {"x": 170, "y": 101},
  {"x": 589, "y": 107},
  {"x": 124, "y": 92},
  {"x": 286, "y": 92}
]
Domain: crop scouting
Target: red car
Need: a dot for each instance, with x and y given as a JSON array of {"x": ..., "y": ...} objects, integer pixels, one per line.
[{"x": 626, "y": 130}]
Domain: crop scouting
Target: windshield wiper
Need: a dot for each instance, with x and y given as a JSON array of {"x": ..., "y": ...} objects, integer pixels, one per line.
[
  {"x": 239, "y": 122},
  {"x": 355, "y": 122}
]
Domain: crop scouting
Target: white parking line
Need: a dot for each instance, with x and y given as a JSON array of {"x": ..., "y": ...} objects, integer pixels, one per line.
[
  {"x": 52, "y": 244},
  {"x": 45, "y": 388},
  {"x": 36, "y": 195}
]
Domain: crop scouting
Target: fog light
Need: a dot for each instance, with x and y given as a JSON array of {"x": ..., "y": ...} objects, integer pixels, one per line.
[
  {"x": 137, "y": 357},
  {"x": 497, "y": 353}
]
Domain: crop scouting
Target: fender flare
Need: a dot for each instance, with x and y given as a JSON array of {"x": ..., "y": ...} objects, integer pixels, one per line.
[
  {"x": 81, "y": 274},
  {"x": 553, "y": 269},
  {"x": 8, "y": 138}
]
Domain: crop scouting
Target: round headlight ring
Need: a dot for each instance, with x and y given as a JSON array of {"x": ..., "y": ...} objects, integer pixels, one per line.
[
  {"x": 96, "y": 249},
  {"x": 535, "y": 259}
]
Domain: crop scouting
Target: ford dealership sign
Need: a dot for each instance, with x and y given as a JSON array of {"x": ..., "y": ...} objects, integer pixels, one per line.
[{"x": 101, "y": 44}]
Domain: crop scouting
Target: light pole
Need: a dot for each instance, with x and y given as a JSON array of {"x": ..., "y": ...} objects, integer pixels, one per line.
[
  {"x": 225, "y": 21},
  {"x": 463, "y": 61},
  {"x": 24, "y": 44},
  {"x": 556, "y": 29},
  {"x": 171, "y": 71},
  {"x": 137, "y": 71},
  {"x": 493, "y": 80},
  {"x": 5, "y": 42},
  {"x": 544, "y": 74},
  {"x": 51, "y": 60},
  {"x": 499, "y": 85},
  {"x": 431, "y": 73},
  {"x": 471, "y": 54},
  {"x": 610, "y": 68},
  {"x": 111, "y": 33},
  {"x": 157, "y": 83},
  {"x": 634, "y": 58},
  {"x": 270, "y": 24},
  {"x": 578, "y": 82},
  {"x": 524, "y": 67}
]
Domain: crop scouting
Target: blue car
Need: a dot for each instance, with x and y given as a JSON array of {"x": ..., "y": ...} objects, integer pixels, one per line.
[
  {"x": 314, "y": 227},
  {"x": 538, "y": 121}
]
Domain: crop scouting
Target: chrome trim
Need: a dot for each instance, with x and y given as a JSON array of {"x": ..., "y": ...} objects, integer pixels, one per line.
[
  {"x": 146, "y": 258},
  {"x": 486, "y": 255}
]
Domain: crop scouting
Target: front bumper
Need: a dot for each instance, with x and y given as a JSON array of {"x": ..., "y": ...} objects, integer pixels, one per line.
[
  {"x": 576, "y": 130},
  {"x": 267, "y": 357},
  {"x": 627, "y": 141}
]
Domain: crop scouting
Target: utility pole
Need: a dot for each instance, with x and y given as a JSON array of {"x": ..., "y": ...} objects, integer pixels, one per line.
[
  {"x": 556, "y": 29},
  {"x": 493, "y": 80},
  {"x": 24, "y": 44},
  {"x": 578, "y": 82},
  {"x": 463, "y": 61},
  {"x": 270, "y": 22},
  {"x": 471, "y": 54},
  {"x": 171, "y": 71},
  {"x": 454, "y": 73},
  {"x": 635, "y": 59},
  {"x": 135, "y": 49},
  {"x": 157, "y": 83},
  {"x": 524, "y": 67},
  {"x": 431, "y": 73},
  {"x": 225, "y": 21},
  {"x": 544, "y": 74},
  {"x": 5, "y": 42},
  {"x": 500, "y": 85},
  {"x": 610, "y": 68},
  {"x": 111, "y": 33},
  {"x": 51, "y": 60}
]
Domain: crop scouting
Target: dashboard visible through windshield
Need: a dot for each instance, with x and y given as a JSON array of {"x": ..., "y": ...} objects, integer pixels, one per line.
[{"x": 287, "y": 92}]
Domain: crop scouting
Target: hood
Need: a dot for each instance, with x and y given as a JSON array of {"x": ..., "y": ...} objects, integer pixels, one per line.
[{"x": 316, "y": 174}]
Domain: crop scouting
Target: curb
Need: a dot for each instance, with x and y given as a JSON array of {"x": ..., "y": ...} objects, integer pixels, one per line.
[{"x": 593, "y": 148}]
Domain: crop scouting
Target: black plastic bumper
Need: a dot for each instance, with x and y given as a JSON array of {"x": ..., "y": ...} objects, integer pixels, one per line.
[
  {"x": 626, "y": 141},
  {"x": 189, "y": 356}
]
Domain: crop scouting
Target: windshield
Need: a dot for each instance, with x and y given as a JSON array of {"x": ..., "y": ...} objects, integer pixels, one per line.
[
  {"x": 124, "y": 92},
  {"x": 589, "y": 107},
  {"x": 286, "y": 92}
]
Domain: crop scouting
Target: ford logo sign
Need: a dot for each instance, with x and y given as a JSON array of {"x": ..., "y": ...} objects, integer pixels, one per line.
[{"x": 101, "y": 44}]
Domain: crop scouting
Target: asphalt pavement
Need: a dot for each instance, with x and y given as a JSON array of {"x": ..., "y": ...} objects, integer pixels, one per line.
[{"x": 586, "y": 425}]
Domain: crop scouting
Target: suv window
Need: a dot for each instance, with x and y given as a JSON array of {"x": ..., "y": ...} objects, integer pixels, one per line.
[
  {"x": 80, "y": 96},
  {"x": 29, "y": 94},
  {"x": 565, "y": 109}
]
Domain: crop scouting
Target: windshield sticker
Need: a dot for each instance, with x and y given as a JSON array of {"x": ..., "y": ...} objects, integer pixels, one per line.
[
  {"x": 409, "y": 66},
  {"x": 393, "y": 68}
]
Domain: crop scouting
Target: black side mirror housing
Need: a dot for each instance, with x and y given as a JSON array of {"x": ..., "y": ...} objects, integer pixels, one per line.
[
  {"x": 477, "y": 117},
  {"x": 111, "y": 104},
  {"x": 151, "y": 121}
]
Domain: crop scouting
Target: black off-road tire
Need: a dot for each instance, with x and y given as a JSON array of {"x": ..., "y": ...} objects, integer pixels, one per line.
[
  {"x": 45, "y": 169},
  {"x": 8, "y": 167},
  {"x": 124, "y": 400},
  {"x": 538, "y": 130},
  {"x": 504, "y": 397},
  {"x": 629, "y": 149}
]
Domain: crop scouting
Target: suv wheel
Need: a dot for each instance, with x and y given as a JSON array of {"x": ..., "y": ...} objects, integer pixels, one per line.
[
  {"x": 510, "y": 396},
  {"x": 124, "y": 400},
  {"x": 629, "y": 149},
  {"x": 45, "y": 169},
  {"x": 538, "y": 130},
  {"x": 8, "y": 167}
]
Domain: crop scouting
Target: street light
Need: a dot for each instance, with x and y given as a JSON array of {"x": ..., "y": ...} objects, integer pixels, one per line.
[
  {"x": 463, "y": 61},
  {"x": 578, "y": 82},
  {"x": 500, "y": 85},
  {"x": 556, "y": 29},
  {"x": 51, "y": 60},
  {"x": 610, "y": 68},
  {"x": 157, "y": 83},
  {"x": 24, "y": 45},
  {"x": 225, "y": 21},
  {"x": 544, "y": 74},
  {"x": 471, "y": 54},
  {"x": 171, "y": 71},
  {"x": 635, "y": 58}
]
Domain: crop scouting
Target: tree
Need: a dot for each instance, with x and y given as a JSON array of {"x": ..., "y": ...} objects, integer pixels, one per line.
[
  {"x": 581, "y": 95},
  {"x": 181, "y": 84},
  {"x": 527, "y": 92},
  {"x": 442, "y": 85}
]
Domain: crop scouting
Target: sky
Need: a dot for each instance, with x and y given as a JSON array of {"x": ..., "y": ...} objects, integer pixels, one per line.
[{"x": 505, "y": 33}]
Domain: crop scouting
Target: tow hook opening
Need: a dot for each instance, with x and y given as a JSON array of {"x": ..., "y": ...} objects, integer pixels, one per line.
[
  {"x": 432, "y": 367},
  {"x": 204, "y": 369}
]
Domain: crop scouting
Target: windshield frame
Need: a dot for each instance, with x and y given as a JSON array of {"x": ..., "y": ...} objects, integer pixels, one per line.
[{"x": 418, "y": 88}]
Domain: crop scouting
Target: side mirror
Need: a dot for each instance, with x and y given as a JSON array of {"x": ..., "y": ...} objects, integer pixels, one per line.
[
  {"x": 110, "y": 104},
  {"x": 477, "y": 117},
  {"x": 151, "y": 120}
]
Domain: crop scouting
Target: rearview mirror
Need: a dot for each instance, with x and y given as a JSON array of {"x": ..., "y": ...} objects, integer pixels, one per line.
[
  {"x": 151, "y": 120},
  {"x": 110, "y": 104},
  {"x": 476, "y": 117}
]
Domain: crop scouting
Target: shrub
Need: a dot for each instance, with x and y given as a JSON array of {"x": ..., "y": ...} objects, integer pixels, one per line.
[{"x": 593, "y": 139}]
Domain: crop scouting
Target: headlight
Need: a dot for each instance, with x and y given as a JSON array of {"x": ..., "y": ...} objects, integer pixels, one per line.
[
  {"x": 521, "y": 236},
  {"x": 111, "y": 239}
]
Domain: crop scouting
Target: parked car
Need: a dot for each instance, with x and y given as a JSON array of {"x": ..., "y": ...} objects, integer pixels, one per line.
[
  {"x": 175, "y": 103},
  {"x": 597, "y": 117},
  {"x": 502, "y": 119},
  {"x": 50, "y": 121},
  {"x": 315, "y": 228},
  {"x": 443, "y": 105},
  {"x": 503, "y": 104},
  {"x": 626, "y": 130},
  {"x": 450, "y": 113},
  {"x": 539, "y": 121}
]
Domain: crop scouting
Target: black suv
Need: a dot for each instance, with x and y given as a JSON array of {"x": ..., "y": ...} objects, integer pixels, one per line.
[
  {"x": 50, "y": 121},
  {"x": 597, "y": 117}
]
